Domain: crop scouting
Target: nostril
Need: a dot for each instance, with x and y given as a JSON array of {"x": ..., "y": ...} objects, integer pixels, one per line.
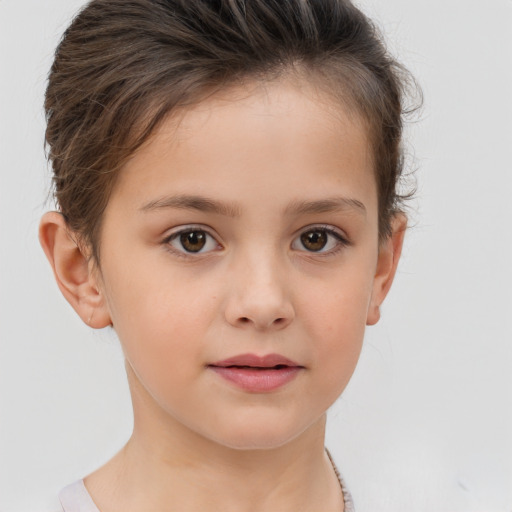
[{"x": 261, "y": 321}]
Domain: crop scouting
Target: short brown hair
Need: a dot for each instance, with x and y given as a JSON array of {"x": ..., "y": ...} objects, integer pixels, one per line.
[{"x": 124, "y": 65}]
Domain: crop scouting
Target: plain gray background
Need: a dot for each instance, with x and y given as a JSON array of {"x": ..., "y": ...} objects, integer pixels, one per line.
[{"x": 426, "y": 422}]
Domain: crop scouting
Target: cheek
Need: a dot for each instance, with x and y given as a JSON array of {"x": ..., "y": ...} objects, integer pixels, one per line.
[
  {"x": 161, "y": 323},
  {"x": 337, "y": 351},
  {"x": 336, "y": 321},
  {"x": 341, "y": 330},
  {"x": 338, "y": 305}
]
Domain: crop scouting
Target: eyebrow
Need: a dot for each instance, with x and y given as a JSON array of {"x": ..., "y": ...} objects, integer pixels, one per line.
[
  {"x": 192, "y": 202},
  {"x": 204, "y": 204},
  {"x": 327, "y": 205}
]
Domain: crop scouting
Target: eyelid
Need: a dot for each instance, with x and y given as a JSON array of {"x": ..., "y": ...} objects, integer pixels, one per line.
[
  {"x": 340, "y": 236},
  {"x": 176, "y": 232}
]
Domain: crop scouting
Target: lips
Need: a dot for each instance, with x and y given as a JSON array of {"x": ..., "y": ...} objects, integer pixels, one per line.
[
  {"x": 257, "y": 374},
  {"x": 254, "y": 361}
]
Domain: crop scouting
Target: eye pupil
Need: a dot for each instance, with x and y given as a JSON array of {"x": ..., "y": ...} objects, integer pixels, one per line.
[
  {"x": 314, "y": 240},
  {"x": 193, "y": 241}
]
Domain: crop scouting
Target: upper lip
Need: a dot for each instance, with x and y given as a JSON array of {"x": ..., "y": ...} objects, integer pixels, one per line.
[{"x": 253, "y": 360}]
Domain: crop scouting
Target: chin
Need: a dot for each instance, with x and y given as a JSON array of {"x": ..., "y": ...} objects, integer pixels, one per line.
[
  {"x": 251, "y": 444},
  {"x": 259, "y": 437}
]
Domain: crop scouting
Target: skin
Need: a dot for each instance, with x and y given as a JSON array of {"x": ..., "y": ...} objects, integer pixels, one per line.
[{"x": 269, "y": 156}]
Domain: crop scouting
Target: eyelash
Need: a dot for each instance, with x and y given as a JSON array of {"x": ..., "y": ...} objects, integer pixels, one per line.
[
  {"x": 340, "y": 241},
  {"x": 188, "y": 229}
]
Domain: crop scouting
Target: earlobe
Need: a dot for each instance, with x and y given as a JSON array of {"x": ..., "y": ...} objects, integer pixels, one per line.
[
  {"x": 387, "y": 263},
  {"x": 73, "y": 271}
]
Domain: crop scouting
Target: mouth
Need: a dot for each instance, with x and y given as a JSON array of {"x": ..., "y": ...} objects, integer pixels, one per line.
[
  {"x": 254, "y": 361},
  {"x": 257, "y": 374}
]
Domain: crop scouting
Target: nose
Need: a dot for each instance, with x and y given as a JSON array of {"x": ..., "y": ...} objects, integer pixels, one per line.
[{"x": 259, "y": 296}]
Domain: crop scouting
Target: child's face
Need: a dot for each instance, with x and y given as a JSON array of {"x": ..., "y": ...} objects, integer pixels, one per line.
[{"x": 249, "y": 227}]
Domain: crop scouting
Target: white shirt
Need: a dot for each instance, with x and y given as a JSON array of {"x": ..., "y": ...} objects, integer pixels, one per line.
[{"x": 75, "y": 498}]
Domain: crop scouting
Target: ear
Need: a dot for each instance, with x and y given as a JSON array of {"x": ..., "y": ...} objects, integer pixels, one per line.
[
  {"x": 74, "y": 272},
  {"x": 387, "y": 262}
]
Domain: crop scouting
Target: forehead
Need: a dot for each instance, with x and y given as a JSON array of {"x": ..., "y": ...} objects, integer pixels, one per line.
[
  {"x": 271, "y": 106},
  {"x": 258, "y": 136}
]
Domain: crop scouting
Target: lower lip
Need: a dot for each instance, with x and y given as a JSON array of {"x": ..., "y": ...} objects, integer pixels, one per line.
[{"x": 258, "y": 380}]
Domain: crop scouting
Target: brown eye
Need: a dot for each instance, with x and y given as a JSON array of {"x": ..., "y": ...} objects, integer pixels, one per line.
[
  {"x": 321, "y": 240},
  {"x": 314, "y": 240},
  {"x": 193, "y": 241}
]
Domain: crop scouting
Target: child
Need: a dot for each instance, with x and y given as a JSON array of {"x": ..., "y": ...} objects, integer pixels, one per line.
[{"x": 226, "y": 174}]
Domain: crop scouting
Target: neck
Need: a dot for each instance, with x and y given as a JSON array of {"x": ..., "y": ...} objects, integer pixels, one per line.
[{"x": 165, "y": 466}]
